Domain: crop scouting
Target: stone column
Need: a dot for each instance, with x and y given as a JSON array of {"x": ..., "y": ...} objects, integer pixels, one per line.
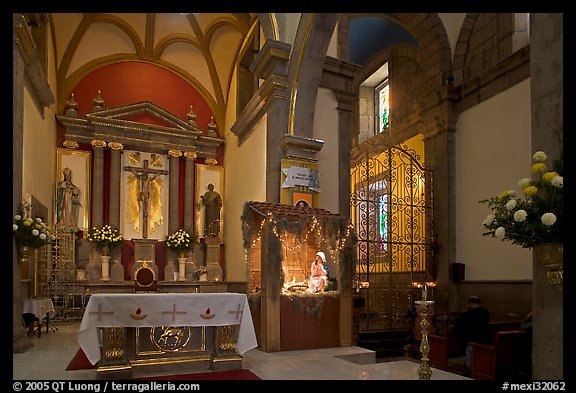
[
  {"x": 547, "y": 89},
  {"x": 271, "y": 65},
  {"x": 346, "y": 102},
  {"x": 29, "y": 70},
  {"x": 115, "y": 171},
  {"x": 189, "y": 198},
  {"x": 174, "y": 182},
  {"x": 22, "y": 43},
  {"x": 97, "y": 181}
]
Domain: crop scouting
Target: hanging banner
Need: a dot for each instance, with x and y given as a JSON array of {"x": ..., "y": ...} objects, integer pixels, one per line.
[{"x": 300, "y": 176}]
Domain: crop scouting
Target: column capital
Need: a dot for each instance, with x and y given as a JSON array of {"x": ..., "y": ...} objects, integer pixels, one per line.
[
  {"x": 97, "y": 143},
  {"x": 175, "y": 153},
  {"x": 115, "y": 145},
  {"x": 190, "y": 155},
  {"x": 71, "y": 144}
]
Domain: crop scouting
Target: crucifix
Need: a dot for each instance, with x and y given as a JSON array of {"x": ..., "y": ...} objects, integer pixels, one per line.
[{"x": 144, "y": 189}]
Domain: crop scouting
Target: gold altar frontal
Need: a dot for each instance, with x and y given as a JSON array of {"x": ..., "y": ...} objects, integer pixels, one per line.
[{"x": 133, "y": 352}]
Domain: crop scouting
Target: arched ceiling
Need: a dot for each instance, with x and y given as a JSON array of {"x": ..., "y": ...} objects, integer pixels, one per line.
[{"x": 203, "y": 48}]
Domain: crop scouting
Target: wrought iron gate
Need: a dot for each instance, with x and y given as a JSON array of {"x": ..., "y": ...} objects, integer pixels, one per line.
[{"x": 391, "y": 208}]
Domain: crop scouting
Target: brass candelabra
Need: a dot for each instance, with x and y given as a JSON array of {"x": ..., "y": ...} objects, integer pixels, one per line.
[{"x": 424, "y": 372}]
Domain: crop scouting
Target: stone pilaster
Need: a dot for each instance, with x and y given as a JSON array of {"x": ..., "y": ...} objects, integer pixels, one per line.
[
  {"x": 98, "y": 180},
  {"x": 174, "y": 181},
  {"x": 21, "y": 51},
  {"x": 189, "y": 199},
  {"x": 346, "y": 102},
  {"x": 547, "y": 88},
  {"x": 271, "y": 99},
  {"x": 115, "y": 171}
]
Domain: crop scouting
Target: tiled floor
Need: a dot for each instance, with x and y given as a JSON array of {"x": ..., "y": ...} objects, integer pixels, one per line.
[{"x": 51, "y": 353}]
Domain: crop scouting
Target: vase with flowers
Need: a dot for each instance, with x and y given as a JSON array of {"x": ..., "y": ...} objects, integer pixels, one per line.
[
  {"x": 182, "y": 241},
  {"x": 534, "y": 218},
  {"x": 30, "y": 233},
  {"x": 105, "y": 239},
  {"x": 201, "y": 273}
]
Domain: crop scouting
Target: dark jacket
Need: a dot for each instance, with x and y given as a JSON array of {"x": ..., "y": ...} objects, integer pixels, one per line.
[{"x": 473, "y": 326}]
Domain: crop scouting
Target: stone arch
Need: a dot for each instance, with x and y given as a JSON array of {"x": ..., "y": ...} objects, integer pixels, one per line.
[
  {"x": 308, "y": 53},
  {"x": 268, "y": 26},
  {"x": 429, "y": 31},
  {"x": 473, "y": 55}
]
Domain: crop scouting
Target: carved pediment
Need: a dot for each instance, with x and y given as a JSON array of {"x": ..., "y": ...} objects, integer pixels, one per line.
[
  {"x": 136, "y": 114},
  {"x": 141, "y": 126}
]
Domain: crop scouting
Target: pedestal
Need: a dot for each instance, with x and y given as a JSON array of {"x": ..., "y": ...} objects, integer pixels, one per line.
[
  {"x": 105, "y": 267},
  {"x": 182, "y": 269},
  {"x": 214, "y": 270}
]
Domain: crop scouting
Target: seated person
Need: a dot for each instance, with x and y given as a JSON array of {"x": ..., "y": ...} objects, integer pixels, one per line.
[
  {"x": 473, "y": 326},
  {"x": 319, "y": 276}
]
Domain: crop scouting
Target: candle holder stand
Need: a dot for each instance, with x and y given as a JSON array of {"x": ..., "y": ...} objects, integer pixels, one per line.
[{"x": 424, "y": 371}]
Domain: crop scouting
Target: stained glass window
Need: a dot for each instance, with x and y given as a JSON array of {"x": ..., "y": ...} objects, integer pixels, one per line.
[
  {"x": 383, "y": 221},
  {"x": 383, "y": 105}
]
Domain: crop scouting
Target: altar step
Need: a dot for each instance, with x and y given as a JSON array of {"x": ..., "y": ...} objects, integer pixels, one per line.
[{"x": 386, "y": 343}]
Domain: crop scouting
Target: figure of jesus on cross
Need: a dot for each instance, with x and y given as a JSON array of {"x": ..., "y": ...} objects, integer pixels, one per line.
[{"x": 145, "y": 176}]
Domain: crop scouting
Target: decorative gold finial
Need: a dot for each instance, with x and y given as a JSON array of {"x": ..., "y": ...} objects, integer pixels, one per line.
[
  {"x": 192, "y": 116},
  {"x": 212, "y": 127},
  {"x": 98, "y": 102},
  {"x": 71, "y": 109}
]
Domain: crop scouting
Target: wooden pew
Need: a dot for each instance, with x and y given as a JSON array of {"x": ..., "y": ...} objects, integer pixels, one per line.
[
  {"x": 445, "y": 347},
  {"x": 508, "y": 357}
]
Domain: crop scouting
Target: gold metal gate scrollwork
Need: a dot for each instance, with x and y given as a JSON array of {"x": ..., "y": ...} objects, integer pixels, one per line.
[{"x": 391, "y": 208}]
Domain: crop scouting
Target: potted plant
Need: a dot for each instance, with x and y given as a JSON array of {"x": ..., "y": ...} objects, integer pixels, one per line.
[
  {"x": 201, "y": 273},
  {"x": 533, "y": 219},
  {"x": 30, "y": 233},
  {"x": 104, "y": 238},
  {"x": 181, "y": 241}
]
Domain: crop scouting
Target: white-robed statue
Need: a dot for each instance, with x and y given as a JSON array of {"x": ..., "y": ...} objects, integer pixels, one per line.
[
  {"x": 67, "y": 201},
  {"x": 318, "y": 274}
]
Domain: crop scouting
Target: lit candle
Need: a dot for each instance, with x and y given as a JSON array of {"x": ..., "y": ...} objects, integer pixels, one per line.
[{"x": 424, "y": 292}]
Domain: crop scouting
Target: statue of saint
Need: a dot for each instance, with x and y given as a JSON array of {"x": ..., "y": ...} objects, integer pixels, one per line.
[
  {"x": 67, "y": 201},
  {"x": 212, "y": 202}
]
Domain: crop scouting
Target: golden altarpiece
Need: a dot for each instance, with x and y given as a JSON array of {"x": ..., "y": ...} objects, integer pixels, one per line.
[
  {"x": 122, "y": 133},
  {"x": 281, "y": 242}
]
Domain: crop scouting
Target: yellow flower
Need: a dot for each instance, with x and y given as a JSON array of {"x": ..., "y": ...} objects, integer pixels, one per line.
[
  {"x": 530, "y": 190},
  {"x": 539, "y": 167},
  {"x": 549, "y": 176}
]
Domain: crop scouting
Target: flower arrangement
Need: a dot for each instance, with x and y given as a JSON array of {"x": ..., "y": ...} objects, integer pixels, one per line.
[
  {"x": 199, "y": 271},
  {"x": 105, "y": 238},
  {"x": 182, "y": 240},
  {"x": 536, "y": 216},
  {"x": 30, "y": 232}
]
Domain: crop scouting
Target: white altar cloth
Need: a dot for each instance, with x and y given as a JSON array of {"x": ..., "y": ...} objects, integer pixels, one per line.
[
  {"x": 164, "y": 309},
  {"x": 38, "y": 307}
]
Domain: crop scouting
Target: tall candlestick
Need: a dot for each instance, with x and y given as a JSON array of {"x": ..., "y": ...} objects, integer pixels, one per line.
[{"x": 424, "y": 292}]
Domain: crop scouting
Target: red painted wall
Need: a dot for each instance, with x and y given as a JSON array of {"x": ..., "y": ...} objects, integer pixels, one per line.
[{"x": 130, "y": 82}]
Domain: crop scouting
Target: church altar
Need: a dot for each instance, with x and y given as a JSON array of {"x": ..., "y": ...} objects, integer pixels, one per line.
[{"x": 149, "y": 333}]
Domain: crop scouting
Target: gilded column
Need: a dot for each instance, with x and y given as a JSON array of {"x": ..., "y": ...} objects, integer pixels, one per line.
[
  {"x": 174, "y": 181},
  {"x": 189, "y": 201},
  {"x": 98, "y": 180},
  {"x": 115, "y": 170}
]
